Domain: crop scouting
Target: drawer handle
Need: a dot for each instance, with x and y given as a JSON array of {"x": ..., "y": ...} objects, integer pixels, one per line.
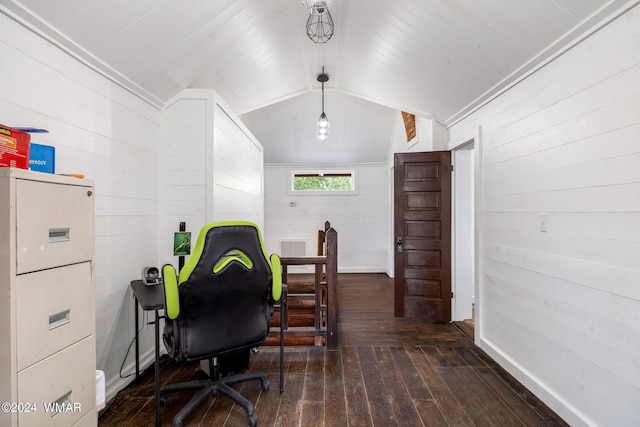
[
  {"x": 57, "y": 235},
  {"x": 62, "y": 404},
  {"x": 59, "y": 319}
]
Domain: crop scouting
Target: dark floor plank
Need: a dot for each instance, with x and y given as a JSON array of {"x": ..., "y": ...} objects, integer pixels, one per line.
[
  {"x": 396, "y": 389},
  {"x": 139, "y": 408},
  {"x": 449, "y": 406},
  {"x": 426, "y": 408},
  {"x": 410, "y": 374},
  {"x": 531, "y": 409},
  {"x": 312, "y": 411},
  {"x": 288, "y": 412},
  {"x": 472, "y": 406},
  {"x": 380, "y": 406},
  {"x": 523, "y": 410},
  {"x": 470, "y": 356},
  {"x": 314, "y": 380},
  {"x": 448, "y": 363},
  {"x": 466, "y": 326},
  {"x": 494, "y": 406},
  {"x": 268, "y": 404},
  {"x": 355, "y": 394},
  {"x": 334, "y": 398}
]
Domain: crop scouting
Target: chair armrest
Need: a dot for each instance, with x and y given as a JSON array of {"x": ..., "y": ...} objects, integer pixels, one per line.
[
  {"x": 276, "y": 281},
  {"x": 171, "y": 299}
]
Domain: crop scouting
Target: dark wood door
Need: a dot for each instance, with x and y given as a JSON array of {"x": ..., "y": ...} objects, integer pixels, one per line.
[{"x": 422, "y": 212}]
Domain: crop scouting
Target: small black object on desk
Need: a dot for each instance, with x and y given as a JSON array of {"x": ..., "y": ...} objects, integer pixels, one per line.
[{"x": 150, "y": 297}]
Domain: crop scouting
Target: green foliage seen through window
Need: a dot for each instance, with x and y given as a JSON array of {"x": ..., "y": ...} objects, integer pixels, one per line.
[{"x": 327, "y": 182}]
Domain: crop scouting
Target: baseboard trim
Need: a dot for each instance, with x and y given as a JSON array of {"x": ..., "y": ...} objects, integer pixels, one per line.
[{"x": 567, "y": 412}]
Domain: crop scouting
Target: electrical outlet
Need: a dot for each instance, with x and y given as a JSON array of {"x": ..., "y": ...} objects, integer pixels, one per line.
[{"x": 544, "y": 222}]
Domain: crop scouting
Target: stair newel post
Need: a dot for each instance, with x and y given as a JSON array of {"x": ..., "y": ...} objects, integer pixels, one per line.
[{"x": 332, "y": 282}]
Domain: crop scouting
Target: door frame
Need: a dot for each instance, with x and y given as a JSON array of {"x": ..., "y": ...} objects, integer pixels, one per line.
[
  {"x": 477, "y": 232},
  {"x": 462, "y": 232}
]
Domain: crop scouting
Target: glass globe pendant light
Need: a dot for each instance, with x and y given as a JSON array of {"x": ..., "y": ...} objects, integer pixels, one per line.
[{"x": 323, "y": 122}]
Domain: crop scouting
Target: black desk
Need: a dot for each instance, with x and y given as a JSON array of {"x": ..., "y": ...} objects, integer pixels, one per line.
[{"x": 149, "y": 297}]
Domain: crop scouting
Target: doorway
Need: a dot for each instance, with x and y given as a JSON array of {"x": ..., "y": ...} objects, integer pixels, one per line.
[{"x": 463, "y": 274}]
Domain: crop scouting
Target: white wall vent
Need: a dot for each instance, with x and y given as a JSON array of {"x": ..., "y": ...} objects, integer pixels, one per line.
[{"x": 293, "y": 248}]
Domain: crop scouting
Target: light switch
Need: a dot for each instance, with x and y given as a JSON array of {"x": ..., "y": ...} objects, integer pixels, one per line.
[{"x": 544, "y": 222}]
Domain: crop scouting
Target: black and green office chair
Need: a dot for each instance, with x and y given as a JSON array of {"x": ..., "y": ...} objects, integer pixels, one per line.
[{"x": 220, "y": 305}]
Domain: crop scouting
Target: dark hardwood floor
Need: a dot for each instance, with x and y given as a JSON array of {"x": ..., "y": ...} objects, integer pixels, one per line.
[{"x": 386, "y": 372}]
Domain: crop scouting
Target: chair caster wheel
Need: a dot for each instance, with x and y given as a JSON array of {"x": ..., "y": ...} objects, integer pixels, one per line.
[
  {"x": 252, "y": 420},
  {"x": 265, "y": 385}
]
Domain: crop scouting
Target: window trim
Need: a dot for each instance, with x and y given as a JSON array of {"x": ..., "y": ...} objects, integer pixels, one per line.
[{"x": 322, "y": 172}]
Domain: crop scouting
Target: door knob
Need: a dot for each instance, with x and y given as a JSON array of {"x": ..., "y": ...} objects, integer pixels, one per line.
[{"x": 399, "y": 244}]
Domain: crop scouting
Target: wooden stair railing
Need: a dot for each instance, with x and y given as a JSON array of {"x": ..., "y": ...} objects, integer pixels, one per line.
[
  {"x": 310, "y": 310},
  {"x": 322, "y": 239}
]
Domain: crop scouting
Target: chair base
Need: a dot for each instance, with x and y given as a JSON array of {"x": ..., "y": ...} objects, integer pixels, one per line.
[{"x": 213, "y": 388}]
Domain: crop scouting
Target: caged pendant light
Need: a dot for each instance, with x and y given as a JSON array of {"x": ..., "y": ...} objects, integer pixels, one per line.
[
  {"x": 320, "y": 23},
  {"x": 323, "y": 122}
]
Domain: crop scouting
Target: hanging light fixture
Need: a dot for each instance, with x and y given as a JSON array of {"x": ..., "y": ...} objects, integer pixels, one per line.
[
  {"x": 323, "y": 122},
  {"x": 317, "y": 7},
  {"x": 320, "y": 23},
  {"x": 320, "y": 27}
]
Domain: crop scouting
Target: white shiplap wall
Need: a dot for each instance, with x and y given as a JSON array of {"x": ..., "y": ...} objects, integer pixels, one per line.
[
  {"x": 186, "y": 130},
  {"x": 103, "y": 131},
  {"x": 361, "y": 219},
  {"x": 561, "y": 309},
  {"x": 238, "y": 168},
  {"x": 212, "y": 167}
]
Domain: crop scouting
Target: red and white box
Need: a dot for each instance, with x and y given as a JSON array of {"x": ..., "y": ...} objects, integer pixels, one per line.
[{"x": 14, "y": 148}]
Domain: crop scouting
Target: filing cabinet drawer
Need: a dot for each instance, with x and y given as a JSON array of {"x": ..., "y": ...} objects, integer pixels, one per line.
[
  {"x": 66, "y": 378},
  {"x": 54, "y": 225},
  {"x": 54, "y": 310}
]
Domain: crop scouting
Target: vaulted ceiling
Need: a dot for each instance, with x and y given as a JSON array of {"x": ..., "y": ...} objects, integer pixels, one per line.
[{"x": 435, "y": 58}]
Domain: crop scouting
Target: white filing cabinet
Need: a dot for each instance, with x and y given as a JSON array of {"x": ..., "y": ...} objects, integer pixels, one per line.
[{"x": 47, "y": 308}]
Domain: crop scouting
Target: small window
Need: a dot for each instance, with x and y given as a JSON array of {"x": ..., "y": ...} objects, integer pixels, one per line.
[{"x": 323, "y": 181}]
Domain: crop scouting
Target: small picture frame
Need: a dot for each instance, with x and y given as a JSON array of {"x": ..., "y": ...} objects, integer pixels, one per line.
[{"x": 181, "y": 243}]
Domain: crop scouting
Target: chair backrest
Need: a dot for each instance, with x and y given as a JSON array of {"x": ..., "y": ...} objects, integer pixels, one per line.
[{"x": 224, "y": 293}]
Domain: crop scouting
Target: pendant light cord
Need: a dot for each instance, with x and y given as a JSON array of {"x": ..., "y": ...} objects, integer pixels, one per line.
[{"x": 322, "y": 83}]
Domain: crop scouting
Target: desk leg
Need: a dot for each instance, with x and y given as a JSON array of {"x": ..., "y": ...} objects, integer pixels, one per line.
[
  {"x": 137, "y": 342},
  {"x": 157, "y": 370},
  {"x": 283, "y": 311}
]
